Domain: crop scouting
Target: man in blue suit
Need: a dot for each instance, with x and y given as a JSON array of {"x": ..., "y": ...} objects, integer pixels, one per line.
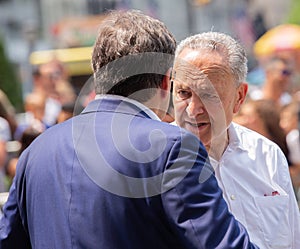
[{"x": 115, "y": 176}]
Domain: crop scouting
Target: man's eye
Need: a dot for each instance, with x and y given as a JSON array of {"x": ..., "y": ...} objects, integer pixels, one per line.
[
  {"x": 210, "y": 97},
  {"x": 183, "y": 94}
]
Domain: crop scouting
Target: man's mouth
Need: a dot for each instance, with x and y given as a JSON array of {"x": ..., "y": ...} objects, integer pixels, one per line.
[{"x": 196, "y": 125}]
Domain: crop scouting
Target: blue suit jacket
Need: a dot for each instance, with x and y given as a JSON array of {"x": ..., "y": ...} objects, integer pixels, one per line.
[{"x": 113, "y": 178}]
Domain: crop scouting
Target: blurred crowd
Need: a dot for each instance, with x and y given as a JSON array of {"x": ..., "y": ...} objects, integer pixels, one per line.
[
  {"x": 272, "y": 109},
  {"x": 51, "y": 101}
]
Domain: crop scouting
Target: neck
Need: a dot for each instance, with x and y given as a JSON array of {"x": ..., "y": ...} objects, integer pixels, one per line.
[
  {"x": 217, "y": 146},
  {"x": 159, "y": 113},
  {"x": 158, "y": 104}
]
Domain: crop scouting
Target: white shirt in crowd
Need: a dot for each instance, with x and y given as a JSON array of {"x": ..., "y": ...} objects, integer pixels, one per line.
[
  {"x": 254, "y": 176},
  {"x": 256, "y": 94},
  {"x": 5, "y": 134},
  {"x": 293, "y": 143},
  {"x": 52, "y": 109}
]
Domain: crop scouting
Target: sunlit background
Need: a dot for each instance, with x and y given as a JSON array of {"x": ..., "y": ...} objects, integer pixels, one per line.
[
  {"x": 27, "y": 26},
  {"x": 34, "y": 32}
]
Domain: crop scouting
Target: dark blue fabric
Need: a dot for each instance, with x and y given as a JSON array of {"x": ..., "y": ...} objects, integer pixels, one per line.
[{"x": 159, "y": 192}]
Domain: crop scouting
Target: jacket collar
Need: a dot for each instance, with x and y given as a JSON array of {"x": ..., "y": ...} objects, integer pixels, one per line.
[{"x": 120, "y": 104}]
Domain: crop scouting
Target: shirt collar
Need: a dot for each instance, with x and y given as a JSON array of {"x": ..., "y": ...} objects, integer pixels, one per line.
[
  {"x": 144, "y": 108},
  {"x": 234, "y": 137},
  {"x": 234, "y": 142}
]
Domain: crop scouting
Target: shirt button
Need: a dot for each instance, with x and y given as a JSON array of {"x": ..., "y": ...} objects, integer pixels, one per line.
[{"x": 232, "y": 197}]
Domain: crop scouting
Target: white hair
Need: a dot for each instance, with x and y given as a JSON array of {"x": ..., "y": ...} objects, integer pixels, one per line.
[{"x": 216, "y": 41}]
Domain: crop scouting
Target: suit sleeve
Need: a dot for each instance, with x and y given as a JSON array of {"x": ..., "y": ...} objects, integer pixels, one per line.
[
  {"x": 12, "y": 229},
  {"x": 194, "y": 206}
]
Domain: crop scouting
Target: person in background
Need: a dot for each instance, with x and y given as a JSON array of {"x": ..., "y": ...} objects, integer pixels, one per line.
[
  {"x": 4, "y": 129},
  {"x": 263, "y": 116},
  {"x": 8, "y": 125},
  {"x": 67, "y": 112},
  {"x": 7, "y": 112},
  {"x": 209, "y": 88},
  {"x": 65, "y": 92},
  {"x": 116, "y": 176},
  {"x": 278, "y": 82},
  {"x": 289, "y": 121},
  {"x": 45, "y": 79},
  {"x": 30, "y": 124},
  {"x": 35, "y": 106},
  {"x": 27, "y": 137}
]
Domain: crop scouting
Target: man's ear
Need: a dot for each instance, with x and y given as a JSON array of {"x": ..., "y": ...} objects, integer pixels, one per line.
[
  {"x": 166, "y": 83},
  {"x": 241, "y": 96}
]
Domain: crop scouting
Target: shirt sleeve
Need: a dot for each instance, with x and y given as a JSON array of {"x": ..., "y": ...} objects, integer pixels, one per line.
[{"x": 195, "y": 206}]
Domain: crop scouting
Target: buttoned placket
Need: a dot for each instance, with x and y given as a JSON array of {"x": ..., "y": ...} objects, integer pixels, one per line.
[{"x": 227, "y": 179}]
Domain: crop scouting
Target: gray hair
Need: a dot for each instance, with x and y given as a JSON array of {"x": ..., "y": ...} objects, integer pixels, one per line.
[{"x": 220, "y": 42}]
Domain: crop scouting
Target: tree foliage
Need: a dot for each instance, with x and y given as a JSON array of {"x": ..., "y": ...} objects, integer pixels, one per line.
[
  {"x": 294, "y": 14},
  {"x": 9, "y": 82}
]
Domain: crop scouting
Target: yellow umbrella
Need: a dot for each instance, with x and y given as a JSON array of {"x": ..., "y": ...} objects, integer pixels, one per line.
[{"x": 281, "y": 38}]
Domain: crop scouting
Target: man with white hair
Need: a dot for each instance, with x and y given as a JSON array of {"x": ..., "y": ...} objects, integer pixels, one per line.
[{"x": 209, "y": 87}]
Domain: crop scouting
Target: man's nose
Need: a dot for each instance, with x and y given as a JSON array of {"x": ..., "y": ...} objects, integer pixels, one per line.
[{"x": 194, "y": 107}]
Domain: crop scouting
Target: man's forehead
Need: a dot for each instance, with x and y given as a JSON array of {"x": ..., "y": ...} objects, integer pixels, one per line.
[
  {"x": 200, "y": 65},
  {"x": 184, "y": 71},
  {"x": 198, "y": 54},
  {"x": 189, "y": 73},
  {"x": 200, "y": 84},
  {"x": 201, "y": 59}
]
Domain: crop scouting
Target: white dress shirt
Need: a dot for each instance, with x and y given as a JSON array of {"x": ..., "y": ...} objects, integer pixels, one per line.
[
  {"x": 253, "y": 174},
  {"x": 257, "y": 94},
  {"x": 5, "y": 134}
]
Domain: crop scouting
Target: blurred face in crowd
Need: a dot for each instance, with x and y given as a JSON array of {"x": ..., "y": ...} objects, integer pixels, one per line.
[
  {"x": 206, "y": 95},
  {"x": 289, "y": 119},
  {"x": 279, "y": 73},
  {"x": 248, "y": 117},
  {"x": 35, "y": 103},
  {"x": 50, "y": 73},
  {"x": 259, "y": 116}
]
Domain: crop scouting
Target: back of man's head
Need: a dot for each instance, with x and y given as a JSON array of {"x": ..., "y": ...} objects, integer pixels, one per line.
[{"x": 132, "y": 52}]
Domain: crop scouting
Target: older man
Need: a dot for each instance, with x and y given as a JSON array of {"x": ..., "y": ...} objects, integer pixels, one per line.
[
  {"x": 115, "y": 176},
  {"x": 209, "y": 87}
]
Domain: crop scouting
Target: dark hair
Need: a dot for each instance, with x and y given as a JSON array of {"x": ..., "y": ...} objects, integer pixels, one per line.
[
  {"x": 36, "y": 70},
  {"x": 268, "y": 112},
  {"x": 132, "y": 52},
  {"x": 68, "y": 107},
  {"x": 27, "y": 138}
]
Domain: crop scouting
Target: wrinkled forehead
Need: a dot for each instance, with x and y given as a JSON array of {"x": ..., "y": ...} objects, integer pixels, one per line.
[
  {"x": 189, "y": 78},
  {"x": 194, "y": 67}
]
